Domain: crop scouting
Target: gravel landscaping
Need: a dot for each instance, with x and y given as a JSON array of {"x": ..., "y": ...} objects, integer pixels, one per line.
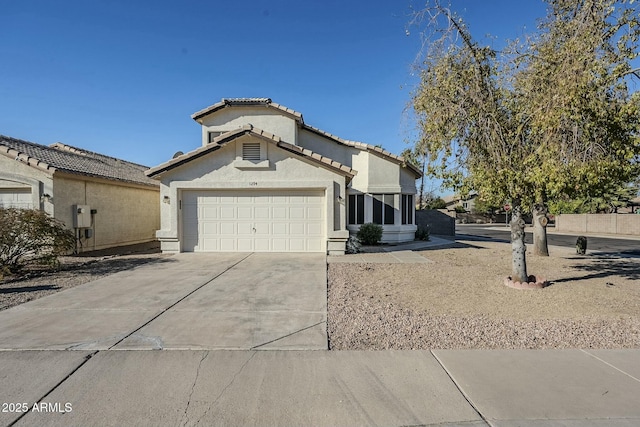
[{"x": 459, "y": 301}]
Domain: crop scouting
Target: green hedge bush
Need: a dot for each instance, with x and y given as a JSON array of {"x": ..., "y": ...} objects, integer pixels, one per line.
[{"x": 370, "y": 234}]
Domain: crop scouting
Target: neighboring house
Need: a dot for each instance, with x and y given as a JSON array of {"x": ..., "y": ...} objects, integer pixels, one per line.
[
  {"x": 264, "y": 180},
  {"x": 107, "y": 201},
  {"x": 455, "y": 200}
]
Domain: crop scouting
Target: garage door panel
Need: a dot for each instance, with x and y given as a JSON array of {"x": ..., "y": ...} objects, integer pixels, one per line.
[
  {"x": 261, "y": 212},
  {"x": 297, "y": 229},
  {"x": 314, "y": 213},
  {"x": 296, "y": 213},
  {"x": 262, "y": 228},
  {"x": 314, "y": 245},
  {"x": 313, "y": 230},
  {"x": 245, "y": 245},
  {"x": 297, "y": 245},
  {"x": 282, "y": 221},
  {"x": 244, "y": 229},
  {"x": 262, "y": 245},
  {"x": 280, "y": 229},
  {"x": 210, "y": 212},
  {"x": 280, "y": 245},
  {"x": 211, "y": 245},
  {"x": 279, "y": 213},
  {"x": 245, "y": 212},
  {"x": 227, "y": 228},
  {"x": 210, "y": 229},
  {"x": 228, "y": 245},
  {"x": 227, "y": 212}
]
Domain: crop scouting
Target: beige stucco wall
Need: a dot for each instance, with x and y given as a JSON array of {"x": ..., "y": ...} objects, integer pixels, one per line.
[
  {"x": 16, "y": 174},
  {"x": 219, "y": 170},
  {"x": 126, "y": 214},
  {"x": 599, "y": 223},
  {"x": 326, "y": 147},
  {"x": 267, "y": 119},
  {"x": 375, "y": 173}
]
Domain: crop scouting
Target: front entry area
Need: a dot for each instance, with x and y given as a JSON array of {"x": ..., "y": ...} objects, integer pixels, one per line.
[{"x": 253, "y": 221}]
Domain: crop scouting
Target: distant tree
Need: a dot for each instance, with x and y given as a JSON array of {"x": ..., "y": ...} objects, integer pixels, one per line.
[
  {"x": 547, "y": 118},
  {"x": 482, "y": 207},
  {"x": 436, "y": 203},
  {"x": 609, "y": 202}
]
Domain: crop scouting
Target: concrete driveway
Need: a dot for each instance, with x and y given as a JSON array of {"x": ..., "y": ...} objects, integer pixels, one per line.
[{"x": 187, "y": 301}]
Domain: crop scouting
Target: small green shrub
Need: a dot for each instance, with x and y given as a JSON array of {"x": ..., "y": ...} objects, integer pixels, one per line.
[
  {"x": 370, "y": 234},
  {"x": 31, "y": 236},
  {"x": 353, "y": 245},
  {"x": 423, "y": 232}
]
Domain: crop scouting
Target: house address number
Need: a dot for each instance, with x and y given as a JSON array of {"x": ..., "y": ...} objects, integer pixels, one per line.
[{"x": 253, "y": 184}]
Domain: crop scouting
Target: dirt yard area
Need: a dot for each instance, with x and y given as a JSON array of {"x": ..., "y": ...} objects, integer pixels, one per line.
[{"x": 459, "y": 301}]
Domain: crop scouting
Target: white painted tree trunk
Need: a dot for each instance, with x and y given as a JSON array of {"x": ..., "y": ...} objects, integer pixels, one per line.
[
  {"x": 518, "y": 248},
  {"x": 540, "y": 245}
]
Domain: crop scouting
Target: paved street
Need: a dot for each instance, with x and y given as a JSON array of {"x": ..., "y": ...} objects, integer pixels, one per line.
[{"x": 629, "y": 246}]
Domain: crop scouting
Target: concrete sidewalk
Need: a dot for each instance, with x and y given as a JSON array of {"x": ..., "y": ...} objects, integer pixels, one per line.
[
  {"x": 505, "y": 388},
  {"x": 402, "y": 253}
]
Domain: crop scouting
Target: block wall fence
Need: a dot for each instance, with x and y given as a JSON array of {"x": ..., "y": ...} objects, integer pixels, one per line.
[{"x": 599, "y": 223}]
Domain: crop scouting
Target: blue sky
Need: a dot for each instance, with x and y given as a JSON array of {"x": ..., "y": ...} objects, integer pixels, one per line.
[{"x": 123, "y": 77}]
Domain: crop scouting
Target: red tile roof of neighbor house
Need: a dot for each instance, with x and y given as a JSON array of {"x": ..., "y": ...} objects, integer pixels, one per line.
[
  {"x": 227, "y": 137},
  {"x": 227, "y": 102},
  {"x": 73, "y": 160}
]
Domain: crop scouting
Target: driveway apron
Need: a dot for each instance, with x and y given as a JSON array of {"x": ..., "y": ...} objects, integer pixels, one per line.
[{"x": 187, "y": 301}]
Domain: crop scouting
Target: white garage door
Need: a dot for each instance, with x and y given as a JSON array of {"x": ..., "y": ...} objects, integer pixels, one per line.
[
  {"x": 16, "y": 198},
  {"x": 253, "y": 221}
]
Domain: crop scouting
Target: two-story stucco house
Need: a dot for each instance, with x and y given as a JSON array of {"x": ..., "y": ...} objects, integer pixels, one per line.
[{"x": 265, "y": 181}]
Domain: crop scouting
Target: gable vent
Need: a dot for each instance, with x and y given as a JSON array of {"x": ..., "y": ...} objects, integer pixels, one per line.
[{"x": 251, "y": 151}]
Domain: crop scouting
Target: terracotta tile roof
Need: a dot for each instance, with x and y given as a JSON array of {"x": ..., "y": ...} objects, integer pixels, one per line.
[
  {"x": 65, "y": 158},
  {"x": 245, "y": 102},
  {"x": 227, "y": 137},
  {"x": 362, "y": 146}
]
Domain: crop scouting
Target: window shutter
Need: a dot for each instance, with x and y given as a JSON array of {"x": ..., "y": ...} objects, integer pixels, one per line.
[{"x": 251, "y": 151}]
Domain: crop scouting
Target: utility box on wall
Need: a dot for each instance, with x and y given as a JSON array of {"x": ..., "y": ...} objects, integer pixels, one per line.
[{"x": 81, "y": 216}]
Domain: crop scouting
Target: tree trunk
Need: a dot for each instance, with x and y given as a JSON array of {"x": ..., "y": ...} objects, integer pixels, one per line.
[
  {"x": 540, "y": 220},
  {"x": 424, "y": 165},
  {"x": 518, "y": 248}
]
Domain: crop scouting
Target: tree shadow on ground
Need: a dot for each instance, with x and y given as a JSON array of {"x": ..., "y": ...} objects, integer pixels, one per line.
[
  {"x": 473, "y": 238},
  {"x": 457, "y": 245},
  {"x": 28, "y": 289},
  {"x": 116, "y": 265},
  {"x": 97, "y": 267},
  {"x": 603, "y": 268}
]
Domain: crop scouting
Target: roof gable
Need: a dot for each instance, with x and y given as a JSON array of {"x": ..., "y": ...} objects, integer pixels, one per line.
[
  {"x": 378, "y": 151},
  {"x": 65, "y": 158},
  {"x": 246, "y": 102},
  {"x": 268, "y": 103},
  {"x": 226, "y": 138}
]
